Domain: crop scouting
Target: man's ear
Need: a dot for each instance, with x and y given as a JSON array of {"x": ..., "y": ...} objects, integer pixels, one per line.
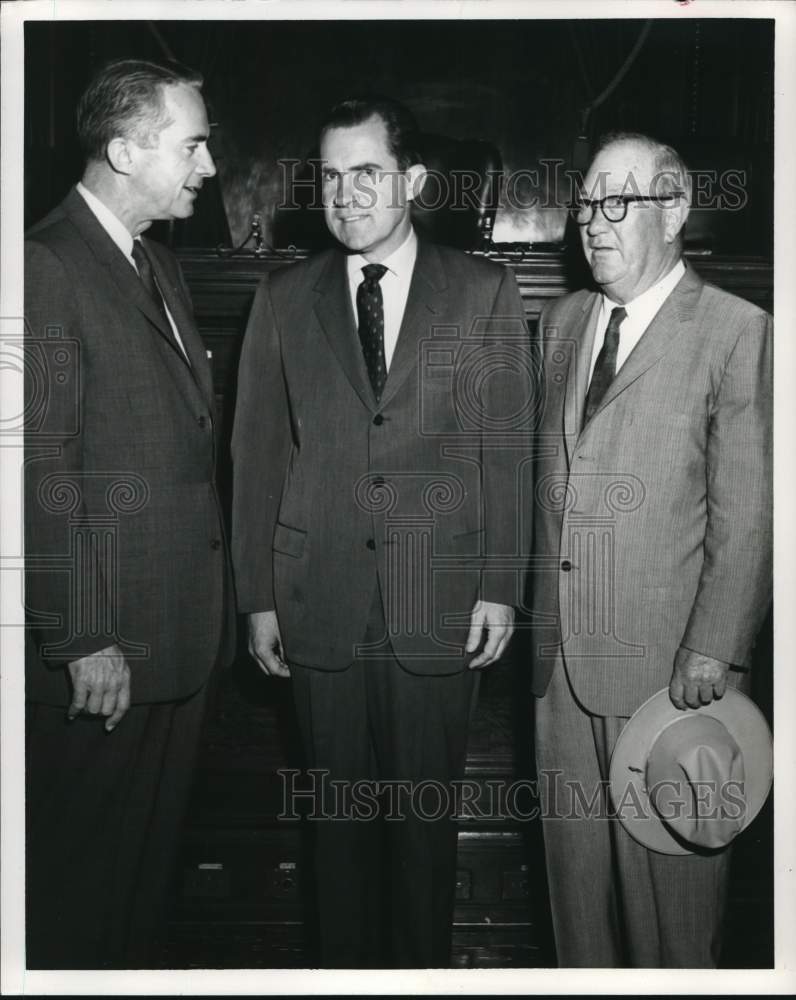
[
  {"x": 415, "y": 178},
  {"x": 674, "y": 218},
  {"x": 119, "y": 156}
]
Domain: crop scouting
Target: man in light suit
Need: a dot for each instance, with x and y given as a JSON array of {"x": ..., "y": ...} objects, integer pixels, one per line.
[
  {"x": 652, "y": 546},
  {"x": 128, "y": 584},
  {"x": 380, "y": 434}
]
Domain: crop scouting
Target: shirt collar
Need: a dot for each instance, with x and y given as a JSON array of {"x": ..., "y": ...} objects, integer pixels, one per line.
[
  {"x": 112, "y": 225},
  {"x": 648, "y": 303},
  {"x": 400, "y": 262}
]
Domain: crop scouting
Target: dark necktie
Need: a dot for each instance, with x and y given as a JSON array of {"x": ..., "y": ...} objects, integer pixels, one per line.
[
  {"x": 370, "y": 316},
  {"x": 605, "y": 366},
  {"x": 147, "y": 276}
]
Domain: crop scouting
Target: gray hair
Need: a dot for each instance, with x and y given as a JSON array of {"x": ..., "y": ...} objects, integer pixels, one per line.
[{"x": 125, "y": 98}]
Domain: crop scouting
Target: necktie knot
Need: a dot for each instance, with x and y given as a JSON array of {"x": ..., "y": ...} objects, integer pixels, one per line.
[
  {"x": 373, "y": 274},
  {"x": 618, "y": 314}
]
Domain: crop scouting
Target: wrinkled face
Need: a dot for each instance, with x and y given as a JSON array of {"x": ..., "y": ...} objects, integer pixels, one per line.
[
  {"x": 165, "y": 179},
  {"x": 628, "y": 257},
  {"x": 365, "y": 195}
]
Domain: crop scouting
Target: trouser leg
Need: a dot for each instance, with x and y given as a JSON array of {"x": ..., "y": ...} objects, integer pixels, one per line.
[
  {"x": 577, "y": 838},
  {"x": 376, "y": 721},
  {"x": 104, "y": 812},
  {"x": 420, "y": 728},
  {"x": 614, "y": 902}
]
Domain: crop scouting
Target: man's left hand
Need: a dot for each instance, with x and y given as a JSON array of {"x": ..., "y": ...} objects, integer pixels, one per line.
[
  {"x": 696, "y": 679},
  {"x": 498, "y": 622}
]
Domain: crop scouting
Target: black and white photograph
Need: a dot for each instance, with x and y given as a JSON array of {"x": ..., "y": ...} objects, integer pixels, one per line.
[{"x": 396, "y": 475}]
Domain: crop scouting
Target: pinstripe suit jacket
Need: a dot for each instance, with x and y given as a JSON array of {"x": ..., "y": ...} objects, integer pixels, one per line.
[{"x": 652, "y": 525}]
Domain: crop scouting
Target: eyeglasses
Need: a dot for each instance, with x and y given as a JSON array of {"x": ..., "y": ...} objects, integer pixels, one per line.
[{"x": 614, "y": 207}]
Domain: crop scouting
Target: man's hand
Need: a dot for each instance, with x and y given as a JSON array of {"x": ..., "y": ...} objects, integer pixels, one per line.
[
  {"x": 498, "y": 621},
  {"x": 265, "y": 644},
  {"x": 100, "y": 686},
  {"x": 696, "y": 679}
]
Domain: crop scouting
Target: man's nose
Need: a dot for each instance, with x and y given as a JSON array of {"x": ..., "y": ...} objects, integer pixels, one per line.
[
  {"x": 206, "y": 167},
  {"x": 598, "y": 222},
  {"x": 343, "y": 194}
]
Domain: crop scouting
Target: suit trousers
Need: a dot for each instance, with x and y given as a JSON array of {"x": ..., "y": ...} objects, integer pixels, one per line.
[
  {"x": 104, "y": 812},
  {"x": 614, "y": 902},
  {"x": 385, "y": 882}
]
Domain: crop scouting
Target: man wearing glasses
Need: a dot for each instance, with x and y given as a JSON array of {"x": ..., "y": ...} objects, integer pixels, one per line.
[{"x": 652, "y": 548}]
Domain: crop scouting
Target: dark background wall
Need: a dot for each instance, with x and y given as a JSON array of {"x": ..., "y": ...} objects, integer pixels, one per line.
[{"x": 706, "y": 86}]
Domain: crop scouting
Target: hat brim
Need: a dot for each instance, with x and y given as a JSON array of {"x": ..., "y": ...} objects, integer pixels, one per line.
[{"x": 745, "y": 723}]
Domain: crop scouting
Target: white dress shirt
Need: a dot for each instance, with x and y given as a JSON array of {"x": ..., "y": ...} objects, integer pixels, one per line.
[
  {"x": 640, "y": 313},
  {"x": 394, "y": 288},
  {"x": 123, "y": 239}
]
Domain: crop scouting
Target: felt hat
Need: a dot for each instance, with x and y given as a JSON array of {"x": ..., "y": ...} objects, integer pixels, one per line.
[{"x": 684, "y": 781}]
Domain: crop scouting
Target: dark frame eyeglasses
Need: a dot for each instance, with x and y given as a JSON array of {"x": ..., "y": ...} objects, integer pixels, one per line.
[{"x": 614, "y": 207}]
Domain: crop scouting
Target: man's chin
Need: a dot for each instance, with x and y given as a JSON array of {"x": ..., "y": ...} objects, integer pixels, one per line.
[
  {"x": 603, "y": 274},
  {"x": 183, "y": 212},
  {"x": 351, "y": 242}
]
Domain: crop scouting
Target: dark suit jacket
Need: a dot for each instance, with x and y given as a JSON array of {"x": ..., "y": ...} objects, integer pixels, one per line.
[
  {"x": 333, "y": 491},
  {"x": 652, "y": 526},
  {"x": 124, "y": 535}
]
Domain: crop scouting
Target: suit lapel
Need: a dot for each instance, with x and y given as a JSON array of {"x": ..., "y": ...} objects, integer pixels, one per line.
[
  {"x": 427, "y": 297},
  {"x": 180, "y": 311},
  {"x": 578, "y": 373},
  {"x": 130, "y": 288},
  {"x": 660, "y": 337},
  {"x": 111, "y": 257},
  {"x": 336, "y": 316}
]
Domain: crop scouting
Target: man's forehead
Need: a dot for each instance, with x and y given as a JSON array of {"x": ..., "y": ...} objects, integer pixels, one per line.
[
  {"x": 183, "y": 98},
  {"x": 623, "y": 167},
  {"x": 351, "y": 142}
]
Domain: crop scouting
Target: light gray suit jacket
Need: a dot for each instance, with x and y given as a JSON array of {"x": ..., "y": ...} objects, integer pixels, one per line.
[{"x": 652, "y": 526}]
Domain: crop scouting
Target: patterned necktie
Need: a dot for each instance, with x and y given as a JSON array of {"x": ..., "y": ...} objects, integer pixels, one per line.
[
  {"x": 147, "y": 276},
  {"x": 605, "y": 366},
  {"x": 370, "y": 315}
]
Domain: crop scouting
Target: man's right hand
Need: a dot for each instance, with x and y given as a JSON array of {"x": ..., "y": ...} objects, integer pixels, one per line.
[
  {"x": 100, "y": 686},
  {"x": 265, "y": 644}
]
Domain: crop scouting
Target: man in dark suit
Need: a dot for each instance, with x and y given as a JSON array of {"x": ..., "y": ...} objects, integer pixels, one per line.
[
  {"x": 128, "y": 586},
  {"x": 652, "y": 542},
  {"x": 378, "y": 447}
]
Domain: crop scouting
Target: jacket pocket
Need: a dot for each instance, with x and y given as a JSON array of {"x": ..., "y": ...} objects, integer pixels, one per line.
[{"x": 289, "y": 541}]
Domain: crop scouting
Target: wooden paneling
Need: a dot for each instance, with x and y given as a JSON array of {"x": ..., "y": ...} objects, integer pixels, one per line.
[{"x": 223, "y": 288}]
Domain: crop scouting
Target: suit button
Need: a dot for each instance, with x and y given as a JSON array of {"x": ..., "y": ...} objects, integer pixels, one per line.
[
  {"x": 202, "y": 421},
  {"x": 215, "y": 543},
  {"x": 370, "y": 544},
  {"x": 566, "y": 565},
  {"x": 378, "y": 420}
]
